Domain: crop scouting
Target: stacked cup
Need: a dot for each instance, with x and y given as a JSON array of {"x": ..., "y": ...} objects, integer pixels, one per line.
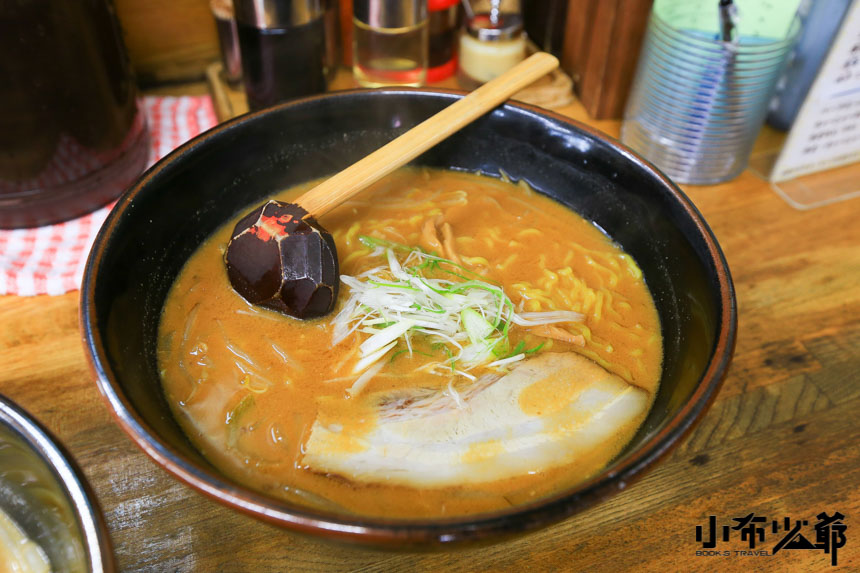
[{"x": 703, "y": 84}]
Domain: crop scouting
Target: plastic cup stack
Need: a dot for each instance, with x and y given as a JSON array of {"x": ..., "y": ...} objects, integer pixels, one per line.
[{"x": 698, "y": 101}]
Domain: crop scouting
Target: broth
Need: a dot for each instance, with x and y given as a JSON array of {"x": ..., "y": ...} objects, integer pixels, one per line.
[{"x": 250, "y": 386}]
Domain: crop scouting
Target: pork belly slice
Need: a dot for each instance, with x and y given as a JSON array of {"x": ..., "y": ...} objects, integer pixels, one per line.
[{"x": 548, "y": 411}]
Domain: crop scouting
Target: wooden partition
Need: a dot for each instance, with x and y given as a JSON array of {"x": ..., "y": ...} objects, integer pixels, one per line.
[{"x": 168, "y": 40}]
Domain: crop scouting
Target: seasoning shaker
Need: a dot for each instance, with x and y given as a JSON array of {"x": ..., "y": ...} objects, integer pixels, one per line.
[
  {"x": 492, "y": 41},
  {"x": 283, "y": 49},
  {"x": 390, "y": 42}
]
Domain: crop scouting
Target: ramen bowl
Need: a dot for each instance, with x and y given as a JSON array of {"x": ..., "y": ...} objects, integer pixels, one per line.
[
  {"x": 46, "y": 496},
  {"x": 172, "y": 208}
]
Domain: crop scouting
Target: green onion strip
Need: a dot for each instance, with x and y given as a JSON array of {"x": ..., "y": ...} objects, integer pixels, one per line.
[{"x": 421, "y": 293}]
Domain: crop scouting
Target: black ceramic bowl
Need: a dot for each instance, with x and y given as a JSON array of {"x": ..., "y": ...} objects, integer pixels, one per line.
[
  {"x": 47, "y": 496},
  {"x": 160, "y": 221}
]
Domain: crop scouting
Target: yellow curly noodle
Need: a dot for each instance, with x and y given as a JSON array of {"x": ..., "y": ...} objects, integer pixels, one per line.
[
  {"x": 247, "y": 384},
  {"x": 596, "y": 290}
]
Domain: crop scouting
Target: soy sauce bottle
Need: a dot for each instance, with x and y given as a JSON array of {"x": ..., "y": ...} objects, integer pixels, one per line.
[{"x": 283, "y": 49}]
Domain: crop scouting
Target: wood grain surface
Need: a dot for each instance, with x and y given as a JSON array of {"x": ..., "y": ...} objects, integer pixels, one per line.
[{"x": 782, "y": 439}]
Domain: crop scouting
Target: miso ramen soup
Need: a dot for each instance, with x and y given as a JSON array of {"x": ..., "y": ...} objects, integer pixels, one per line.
[{"x": 489, "y": 347}]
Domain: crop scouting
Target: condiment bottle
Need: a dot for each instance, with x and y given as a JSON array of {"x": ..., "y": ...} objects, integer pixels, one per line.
[
  {"x": 492, "y": 41},
  {"x": 443, "y": 22},
  {"x": 390, "y": 42},
  {"x": 283, "y": 49},
  {"x": 72, "y": 135}
]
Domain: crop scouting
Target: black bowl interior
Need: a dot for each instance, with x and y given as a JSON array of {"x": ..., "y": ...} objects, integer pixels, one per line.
[{"x": 177, "y": 204}]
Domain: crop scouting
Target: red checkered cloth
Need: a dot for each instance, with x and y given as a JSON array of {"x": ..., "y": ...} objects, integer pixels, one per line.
[{"x": 51, "y": 259}]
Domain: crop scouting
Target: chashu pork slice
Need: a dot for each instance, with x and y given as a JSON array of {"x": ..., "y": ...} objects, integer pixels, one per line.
[{"x": 546, "y": 412}]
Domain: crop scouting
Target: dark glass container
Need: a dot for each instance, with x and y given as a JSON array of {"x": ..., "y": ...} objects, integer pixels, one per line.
[
  {"x": 72, "y": 135},
  {"x": 283, "y": 46},
  {"x": 444, "y": 24}
]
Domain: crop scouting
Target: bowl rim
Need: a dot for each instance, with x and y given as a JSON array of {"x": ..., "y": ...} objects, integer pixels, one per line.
[
  {"x": 97, "y": 545},
  {"x": 382, "y": 532}
]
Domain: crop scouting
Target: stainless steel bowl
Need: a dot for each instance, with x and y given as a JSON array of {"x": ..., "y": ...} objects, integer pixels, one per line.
[{"x": 46, "y": 495}]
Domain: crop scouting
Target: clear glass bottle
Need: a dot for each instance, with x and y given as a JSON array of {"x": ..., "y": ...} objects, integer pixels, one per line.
[{"x": 390, "y": 42}]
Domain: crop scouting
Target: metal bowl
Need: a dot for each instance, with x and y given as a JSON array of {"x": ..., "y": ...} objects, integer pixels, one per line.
[
  {"x": 160, "y": 221},
  {"x": 47, "y": 497}
]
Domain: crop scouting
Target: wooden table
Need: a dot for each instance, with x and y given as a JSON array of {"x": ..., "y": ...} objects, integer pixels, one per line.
[{"x": 782, "y": 439}]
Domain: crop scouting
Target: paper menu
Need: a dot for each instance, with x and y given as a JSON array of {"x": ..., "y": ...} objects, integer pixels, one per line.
[{"x": 826, "y": 132}]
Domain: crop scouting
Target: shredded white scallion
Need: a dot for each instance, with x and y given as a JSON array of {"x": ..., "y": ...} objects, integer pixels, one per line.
[
  {"x": 454, "y": 394},
  {"x": 364, "y": 379},
  {"x": 420, "y": 293},
  {"x": 549, "y": 317},
  {"x": 506, "y": 361}
]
